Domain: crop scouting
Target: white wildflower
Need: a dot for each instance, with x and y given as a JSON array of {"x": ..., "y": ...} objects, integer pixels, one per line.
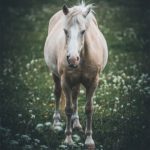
[
  {"x": 28, "y": 66},
  {"x": 48, "y": 124},
  {"x": 32, "y": 116},
  {"x": 19, "y": 115}
]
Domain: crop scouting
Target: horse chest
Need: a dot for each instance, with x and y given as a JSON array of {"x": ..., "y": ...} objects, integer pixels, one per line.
[{"x": 82, "y": 75}]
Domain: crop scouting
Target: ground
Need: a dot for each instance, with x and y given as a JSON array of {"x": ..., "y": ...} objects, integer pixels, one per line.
[{"x": 121, "y": 116}]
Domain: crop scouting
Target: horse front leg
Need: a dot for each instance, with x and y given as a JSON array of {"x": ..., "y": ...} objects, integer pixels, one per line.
[
  {"x": 89, "y": 142},
  {"x": 57, "y": 93},
  {"x": 75, "y": 116},
  {"x": 69, "y": 111}
]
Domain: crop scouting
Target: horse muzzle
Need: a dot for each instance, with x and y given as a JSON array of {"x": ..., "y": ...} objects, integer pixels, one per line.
[{"x": 73, "y": 61}]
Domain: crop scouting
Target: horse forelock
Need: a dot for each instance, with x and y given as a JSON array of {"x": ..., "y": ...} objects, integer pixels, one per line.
[{"x": 76, "y": 14}]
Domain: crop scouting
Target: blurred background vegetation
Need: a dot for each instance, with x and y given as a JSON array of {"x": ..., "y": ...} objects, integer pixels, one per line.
[{"x": 122, "y": 101}]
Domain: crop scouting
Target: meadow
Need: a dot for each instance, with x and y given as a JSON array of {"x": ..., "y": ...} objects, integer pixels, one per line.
[{"x": 122, "y": 101}]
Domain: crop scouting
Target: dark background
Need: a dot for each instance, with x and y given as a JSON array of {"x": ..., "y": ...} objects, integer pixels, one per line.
[{"x": 121, "y": 119}]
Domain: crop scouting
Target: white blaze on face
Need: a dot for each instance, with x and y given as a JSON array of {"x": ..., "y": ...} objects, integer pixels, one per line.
[
  {"x": 74, "y": 39},
  {"x": 73, "y": 43}
]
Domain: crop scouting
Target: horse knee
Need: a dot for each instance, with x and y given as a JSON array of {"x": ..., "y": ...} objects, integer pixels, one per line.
[
  {"x": 89, "y": 109},
  {"x": 57, "y": 91},
  {"x": 68, "y": 111}
]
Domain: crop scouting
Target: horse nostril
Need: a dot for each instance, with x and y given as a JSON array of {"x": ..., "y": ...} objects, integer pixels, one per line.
[
  {"x": 77, "y": 58},
  {"x": 68, "y": 57}
]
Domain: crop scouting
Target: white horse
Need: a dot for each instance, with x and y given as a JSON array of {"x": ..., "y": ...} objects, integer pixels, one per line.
[{"x": 76, "y": 52}]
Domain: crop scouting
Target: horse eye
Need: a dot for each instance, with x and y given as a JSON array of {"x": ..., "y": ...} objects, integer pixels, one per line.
[{"x": 82, "y": 32}]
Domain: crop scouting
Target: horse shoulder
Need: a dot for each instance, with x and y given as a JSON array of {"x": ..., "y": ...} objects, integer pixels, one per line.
[
  {"x": 96, "y": 45},
  {"x": 54, "y": 20},
  {"x": 55, "y": 42}
]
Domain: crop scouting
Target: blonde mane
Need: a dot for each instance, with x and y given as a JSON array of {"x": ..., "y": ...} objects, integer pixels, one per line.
[{"x": 81, "y": 9}]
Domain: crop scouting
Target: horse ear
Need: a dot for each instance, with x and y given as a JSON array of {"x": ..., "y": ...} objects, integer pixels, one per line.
[
  {"x": 65, "y": 10},
  {"x": 86, "y": 12}
]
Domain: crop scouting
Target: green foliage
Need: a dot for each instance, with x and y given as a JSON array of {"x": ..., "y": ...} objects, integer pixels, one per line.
[{"x": 121, "y": 117}]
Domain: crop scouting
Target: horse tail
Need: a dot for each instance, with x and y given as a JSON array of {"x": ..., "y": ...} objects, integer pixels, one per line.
[{"x": 62, "y": 102}]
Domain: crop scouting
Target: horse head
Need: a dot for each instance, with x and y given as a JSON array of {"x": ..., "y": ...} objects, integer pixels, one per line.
[{"x": 74, "y": 30}]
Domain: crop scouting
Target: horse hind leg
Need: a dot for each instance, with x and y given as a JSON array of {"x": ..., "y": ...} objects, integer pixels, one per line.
[
  {"x": 57, "y": 93},
  {"x": 75, "y": 116},
  {"x": 62, "y": 101}
]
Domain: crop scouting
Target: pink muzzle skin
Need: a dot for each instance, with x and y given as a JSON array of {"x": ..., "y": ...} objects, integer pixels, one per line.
[{"x": 73, "y": 61}]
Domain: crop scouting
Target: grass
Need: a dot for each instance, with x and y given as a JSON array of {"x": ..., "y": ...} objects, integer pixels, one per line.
[{"x": 121, "y": 117}]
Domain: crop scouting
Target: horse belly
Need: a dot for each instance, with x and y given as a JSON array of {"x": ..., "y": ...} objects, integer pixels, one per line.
[
  {"x": 51, "y": 63},
  {"x": 50, "y": 57}
]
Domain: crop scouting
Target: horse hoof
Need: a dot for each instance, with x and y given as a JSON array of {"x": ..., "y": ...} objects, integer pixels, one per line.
[
  {"x": 56, "y": 118},
  {"x": 57, "y": 123},
  {"x": 77, "y": 125},
  {"x": 90, "y": 147},
  {"x": 68, "y": 140},
  {"x": 89, "y": 143}
]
